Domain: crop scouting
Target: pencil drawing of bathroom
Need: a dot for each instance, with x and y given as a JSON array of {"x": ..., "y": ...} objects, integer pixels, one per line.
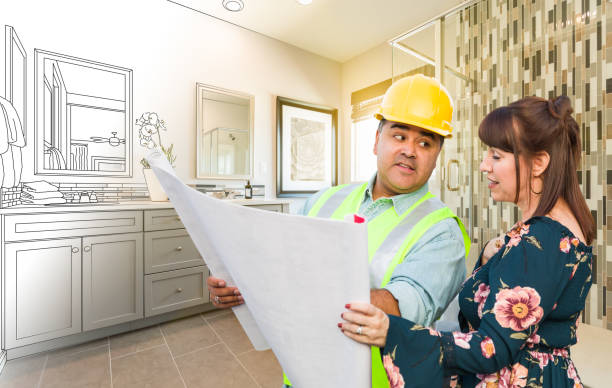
[{"x": 83, "y": 109}]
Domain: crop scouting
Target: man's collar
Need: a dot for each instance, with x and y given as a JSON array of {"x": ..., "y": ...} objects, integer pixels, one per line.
[{"x": 401, "y": 202}]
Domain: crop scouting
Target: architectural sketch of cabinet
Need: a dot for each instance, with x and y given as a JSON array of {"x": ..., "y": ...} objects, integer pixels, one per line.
[
  {"x": 112, "y": 280},
  {"x": 43, "y": 290}
]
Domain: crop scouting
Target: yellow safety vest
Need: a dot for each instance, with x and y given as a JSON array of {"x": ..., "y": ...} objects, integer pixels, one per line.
[{"x": 390, "y": 237}]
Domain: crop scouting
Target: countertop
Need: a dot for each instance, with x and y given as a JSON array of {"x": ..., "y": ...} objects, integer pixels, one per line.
[{"x": 118, "y": 206}]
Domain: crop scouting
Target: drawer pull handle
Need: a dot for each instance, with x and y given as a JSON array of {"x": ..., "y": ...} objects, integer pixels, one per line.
[
  {"x": 75, "y": 250},
  {"x": 179, "y": 248},
  {"x": 179, "y": 290},
  {"x": 86, "y": 249}
]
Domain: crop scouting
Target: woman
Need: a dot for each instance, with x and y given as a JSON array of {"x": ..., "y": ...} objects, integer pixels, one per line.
[{"x": 521, "y": 307}]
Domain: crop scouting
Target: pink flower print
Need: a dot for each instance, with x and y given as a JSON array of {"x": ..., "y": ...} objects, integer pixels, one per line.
[
  {"x": 462, "y": 339},
  {"x": 554, "y": 307},
  {"x": 453, "y": 381},
  {"x": 487, "y": 347},
  {"x": 533, "y": 339},
  {"x": 542, "y": 358},
  {"x": 517, "y": 308},
  {"x": 516, "y": 233},
  {"x": 571, "y": 371},
  {"x": 564, "y": 245},
  {"x": 560, "y": 353},
  {"x": 575, "y": 242},
  {"x": 491, "y": 380},
  {"x": 481, "y": 296},
  {"x": 393, "y": 373},
  {"x": 518, "y": 377}
]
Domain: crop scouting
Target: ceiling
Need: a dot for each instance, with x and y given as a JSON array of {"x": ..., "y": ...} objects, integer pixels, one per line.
[{"x": 335, "y": 29}]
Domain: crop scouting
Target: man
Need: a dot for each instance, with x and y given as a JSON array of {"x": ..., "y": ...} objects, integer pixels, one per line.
[{"x": 416, "y": 245}]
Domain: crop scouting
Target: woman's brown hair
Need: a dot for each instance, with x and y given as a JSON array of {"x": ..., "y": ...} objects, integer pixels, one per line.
[{"x": 532, "y": 125}]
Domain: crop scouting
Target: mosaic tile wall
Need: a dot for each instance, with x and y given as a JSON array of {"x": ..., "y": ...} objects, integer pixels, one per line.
[{"x": 515, "y": 48}]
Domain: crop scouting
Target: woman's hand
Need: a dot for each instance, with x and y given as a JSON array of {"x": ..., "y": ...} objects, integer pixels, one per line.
[
  {"x": 365, "y": 323},
  {"x": 491, "y": 249}
]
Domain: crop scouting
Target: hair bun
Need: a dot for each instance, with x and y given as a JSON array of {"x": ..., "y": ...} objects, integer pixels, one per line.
[{"x": 560, "y": 107}]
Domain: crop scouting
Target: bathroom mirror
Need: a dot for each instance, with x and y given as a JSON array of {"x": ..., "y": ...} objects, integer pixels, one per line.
[
  {"x": 224, "y": 133},
  {"x": 83, "y": 117}
]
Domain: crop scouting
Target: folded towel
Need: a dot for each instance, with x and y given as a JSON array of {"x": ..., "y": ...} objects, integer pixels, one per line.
[
  {"x": 44, "y": 195},
  {"x": 48, "y": 201},
  {"x": 39, "y": 186}
]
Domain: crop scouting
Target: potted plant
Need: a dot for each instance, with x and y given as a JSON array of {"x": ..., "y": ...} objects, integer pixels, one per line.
[{"x": 149, "y": 127}]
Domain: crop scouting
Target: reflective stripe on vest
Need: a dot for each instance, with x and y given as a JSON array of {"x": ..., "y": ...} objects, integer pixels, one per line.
[{"x": 390, "y": 237}]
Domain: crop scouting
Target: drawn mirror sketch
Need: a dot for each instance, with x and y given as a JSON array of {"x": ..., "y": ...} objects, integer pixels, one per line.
[
  {"x": 306, "y": 147},
  {"x": 83, "y": 116},
  {"x": 224, "y": 133},
  {"x": 13, "y": 110}
]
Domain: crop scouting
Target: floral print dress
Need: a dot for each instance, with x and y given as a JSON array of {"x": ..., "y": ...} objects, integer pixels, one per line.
[{"x": 519, "y": 316}]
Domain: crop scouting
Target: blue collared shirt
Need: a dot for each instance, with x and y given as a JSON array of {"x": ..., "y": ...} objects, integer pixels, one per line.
[{"x": 429, "y": 277}]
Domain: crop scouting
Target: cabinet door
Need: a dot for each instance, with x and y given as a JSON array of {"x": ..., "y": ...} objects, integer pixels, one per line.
[
  {"x": 112, "y": 279},
  {"x": 43, "y": 290}
]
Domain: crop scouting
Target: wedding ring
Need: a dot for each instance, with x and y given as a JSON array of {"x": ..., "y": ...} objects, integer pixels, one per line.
[
  {"x": 359, "y": 330},
  {"x": 217, "y": 299}
]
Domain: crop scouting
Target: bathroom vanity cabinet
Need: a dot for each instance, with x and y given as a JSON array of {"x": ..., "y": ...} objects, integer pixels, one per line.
[{"x": 74, "y": 274}]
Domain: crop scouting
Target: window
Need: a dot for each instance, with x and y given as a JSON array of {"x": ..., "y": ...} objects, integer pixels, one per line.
[{"x": 363, "y": 160}]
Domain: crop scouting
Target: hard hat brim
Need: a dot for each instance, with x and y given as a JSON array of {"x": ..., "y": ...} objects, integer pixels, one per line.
[{"x": 444, "y": 133}]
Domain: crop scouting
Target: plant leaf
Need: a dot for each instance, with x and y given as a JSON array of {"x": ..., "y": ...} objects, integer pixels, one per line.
[
  {"x": 519, "y": 336},
  {"x": 534, "y": 241}
]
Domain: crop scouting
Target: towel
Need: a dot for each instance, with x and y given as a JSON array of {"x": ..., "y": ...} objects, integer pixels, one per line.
[
  {"x": 48, "y": 201},
  {"x": 13, "y": 125},
  {"x": 42, "y": 195},
  {"x": 11, "y": 141},
  {"x": 39, "y": 187}
]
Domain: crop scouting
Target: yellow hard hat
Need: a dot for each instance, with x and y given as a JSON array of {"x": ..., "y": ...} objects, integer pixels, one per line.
[{"x": 420, "y": 101}]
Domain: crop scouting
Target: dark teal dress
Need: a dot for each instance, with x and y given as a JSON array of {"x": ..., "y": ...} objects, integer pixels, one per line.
[{"x": 519, "y": 312}]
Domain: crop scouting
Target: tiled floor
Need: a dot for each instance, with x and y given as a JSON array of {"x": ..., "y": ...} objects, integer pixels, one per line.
[{"x": 206, "y": 351}]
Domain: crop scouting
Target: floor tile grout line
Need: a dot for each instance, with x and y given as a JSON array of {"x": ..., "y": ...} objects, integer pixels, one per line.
[
  {"x": 235, "y": 357},
  {"x": 42, "y": 372},
  {"x": 110, "y": 363},
  {"x": 172, "y": 357},
  {"x": 199, "y": 349},
  {"x": 138, "y": 351}
]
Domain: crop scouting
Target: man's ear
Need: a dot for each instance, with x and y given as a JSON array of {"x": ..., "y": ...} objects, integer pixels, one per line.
[
  {"x": 376, "y": 142},
  {"x": 540, "y": 163}
]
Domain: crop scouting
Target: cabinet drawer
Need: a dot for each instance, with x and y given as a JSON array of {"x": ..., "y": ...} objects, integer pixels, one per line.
[
  {"x": 167, "y": 250},
  {"x": 57, "y": 225},
  {"x": 161, "y": 220},
  {"x": 175, "y": 290}
]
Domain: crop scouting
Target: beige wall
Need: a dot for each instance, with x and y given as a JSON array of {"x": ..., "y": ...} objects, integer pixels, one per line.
[
  {"x": 170, "y": 48},
  {"x": 369, "y": 68}
]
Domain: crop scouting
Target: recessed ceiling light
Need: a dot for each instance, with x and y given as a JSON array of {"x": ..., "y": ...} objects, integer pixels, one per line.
[
  {"x": 304, "y": 2},
  {"x": 233, "y": 5}
]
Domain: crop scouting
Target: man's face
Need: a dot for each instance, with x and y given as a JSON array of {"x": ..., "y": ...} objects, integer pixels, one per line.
[{"x": 406, "y": 157}]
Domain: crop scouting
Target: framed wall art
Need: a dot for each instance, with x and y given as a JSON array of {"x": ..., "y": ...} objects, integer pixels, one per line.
[{"x": 306, "y": 142}]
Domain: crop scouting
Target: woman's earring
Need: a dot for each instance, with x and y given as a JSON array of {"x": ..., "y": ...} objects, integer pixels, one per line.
[{"x": 540, "y": 191}]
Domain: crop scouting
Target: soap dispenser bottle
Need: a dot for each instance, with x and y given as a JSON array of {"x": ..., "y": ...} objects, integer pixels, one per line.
[{"x": 248, "y": 190}]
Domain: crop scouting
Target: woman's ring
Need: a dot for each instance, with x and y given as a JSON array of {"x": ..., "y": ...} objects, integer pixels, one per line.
[
  {"x": 217, "y": 299},
  {"x": 359, "y": 330}
]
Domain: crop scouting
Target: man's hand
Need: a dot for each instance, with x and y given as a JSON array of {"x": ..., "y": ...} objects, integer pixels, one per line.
[
  {"x": 222, "y": 296},
  {"x": 385, "y": 301}
]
